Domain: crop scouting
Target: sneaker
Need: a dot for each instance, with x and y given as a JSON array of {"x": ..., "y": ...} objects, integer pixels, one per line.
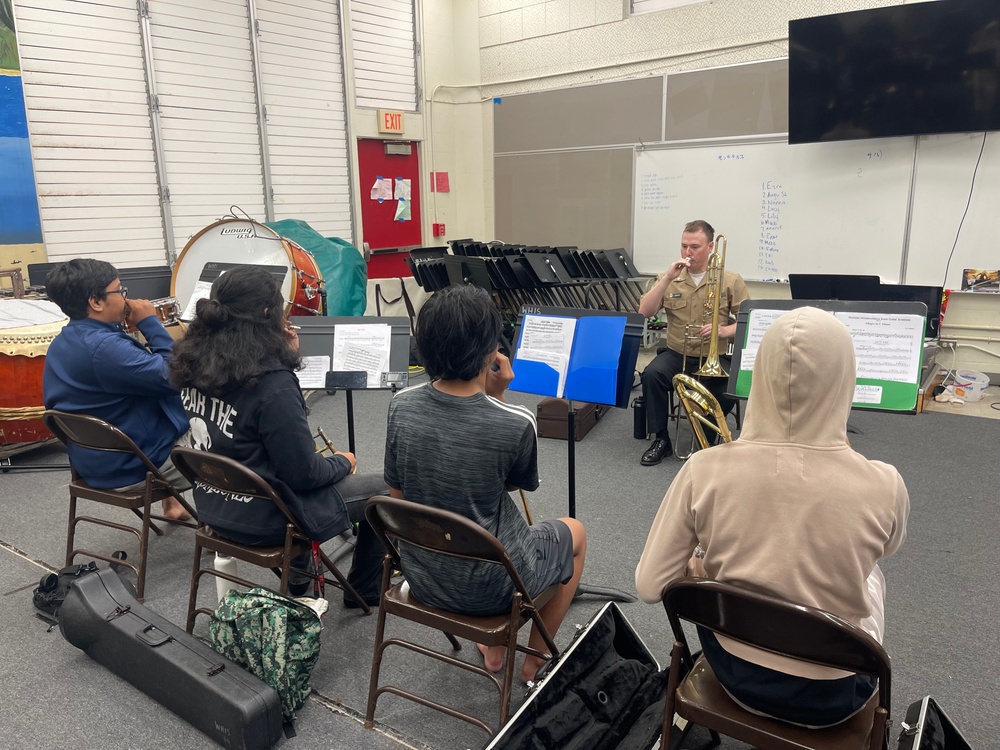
[{"x": 657, "y": 451}]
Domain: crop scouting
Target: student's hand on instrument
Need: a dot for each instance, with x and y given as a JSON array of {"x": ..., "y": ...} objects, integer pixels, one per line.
[
  {"x": 293, "y": 335},
  {"x": 499, "y": 375},
  {"x": 350, "y": 457},
  {"x": 138, "y": 309}
]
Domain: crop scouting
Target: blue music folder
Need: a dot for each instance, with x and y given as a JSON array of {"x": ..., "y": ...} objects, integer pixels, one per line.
[{"x": 592, "y": 370}]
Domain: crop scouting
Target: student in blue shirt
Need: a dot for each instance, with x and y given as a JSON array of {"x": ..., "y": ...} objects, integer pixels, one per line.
[{"x": 93, "y": 367}]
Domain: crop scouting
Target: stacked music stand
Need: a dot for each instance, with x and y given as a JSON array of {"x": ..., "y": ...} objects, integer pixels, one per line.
[{"x": 518, "y": 275}]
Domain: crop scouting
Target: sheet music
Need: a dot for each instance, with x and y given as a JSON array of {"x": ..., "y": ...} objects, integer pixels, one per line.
[
  {"x": 313, "y": 372},
  {"x": 759, "y": 321},
  {"x": 362, "y": 347},
  {"x": 202, "y": 290},
  {"x": 548, "y": 340},
  {"x": 887, "y": 347}
]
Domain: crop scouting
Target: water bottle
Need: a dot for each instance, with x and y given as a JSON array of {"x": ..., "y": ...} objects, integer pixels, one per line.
[
  {"x": 224, "y": 564},
  {"x": 639, "y": 418}
]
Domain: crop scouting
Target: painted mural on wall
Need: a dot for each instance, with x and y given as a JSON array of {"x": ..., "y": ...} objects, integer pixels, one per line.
[{"x": 20, "y": 226}]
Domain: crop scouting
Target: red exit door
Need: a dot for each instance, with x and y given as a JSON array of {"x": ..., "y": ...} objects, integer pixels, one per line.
[{"x": 386, "y": 223}]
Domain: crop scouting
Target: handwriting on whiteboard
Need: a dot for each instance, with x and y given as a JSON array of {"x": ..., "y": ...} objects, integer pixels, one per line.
[{"x": 773, "y": 197}]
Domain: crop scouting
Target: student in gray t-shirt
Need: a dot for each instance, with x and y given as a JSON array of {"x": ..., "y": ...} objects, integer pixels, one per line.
[{"x": 453, "y": 443}]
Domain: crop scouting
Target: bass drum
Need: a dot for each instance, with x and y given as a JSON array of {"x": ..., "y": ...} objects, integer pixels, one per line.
[{"x": 241, "y": 242}]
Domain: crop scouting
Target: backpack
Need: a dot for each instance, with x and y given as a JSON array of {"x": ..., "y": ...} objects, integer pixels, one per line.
[
  {"x": 53, "y": 587},
  {"x": 274, "y": 637}
]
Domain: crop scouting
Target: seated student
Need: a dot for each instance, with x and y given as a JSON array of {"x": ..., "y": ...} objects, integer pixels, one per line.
[
  {"x": 791, "y": 508},
  {"x": 454, "y": 444},
  {"x": 236, "y": 371},
  {"x": 93, "y": 367}
]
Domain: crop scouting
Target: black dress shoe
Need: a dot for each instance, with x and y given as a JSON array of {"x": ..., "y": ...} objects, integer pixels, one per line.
[{"x": 659, "y": 450}]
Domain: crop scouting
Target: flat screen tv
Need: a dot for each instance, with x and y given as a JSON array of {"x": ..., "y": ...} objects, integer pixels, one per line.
[{"x": 930, "y": 67}]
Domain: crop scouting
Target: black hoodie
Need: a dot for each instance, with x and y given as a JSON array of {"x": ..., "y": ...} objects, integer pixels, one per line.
[{"x": 265, "y": 429}]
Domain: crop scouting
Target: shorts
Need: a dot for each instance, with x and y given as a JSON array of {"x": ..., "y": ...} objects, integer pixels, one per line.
[{"x": 554, "y": 550}]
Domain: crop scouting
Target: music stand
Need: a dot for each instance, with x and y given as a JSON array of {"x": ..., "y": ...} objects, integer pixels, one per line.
[
  {"x": 317, "y": 338},
  {"x": 878, "y": 392},
  {"x": 604, "y": 376}
]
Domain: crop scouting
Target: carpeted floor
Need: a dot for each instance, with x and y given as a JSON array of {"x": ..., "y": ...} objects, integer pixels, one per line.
[{"x": 942, "y": 591}]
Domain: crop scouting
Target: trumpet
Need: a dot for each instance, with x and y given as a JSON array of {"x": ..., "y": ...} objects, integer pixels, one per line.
[{"x": 327, "y": 445}]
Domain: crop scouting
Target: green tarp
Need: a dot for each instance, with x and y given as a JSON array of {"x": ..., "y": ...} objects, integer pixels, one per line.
[{"x": 343, "y": 267}]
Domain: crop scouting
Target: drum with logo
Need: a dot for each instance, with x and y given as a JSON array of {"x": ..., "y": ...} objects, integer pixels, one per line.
[
  {"x": 240, "y": 242},
  {"x": 22, "y": 362}
]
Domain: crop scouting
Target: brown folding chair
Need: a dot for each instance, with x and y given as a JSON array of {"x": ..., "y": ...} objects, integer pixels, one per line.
[
  {"x": 780, "y": 627},
  {"x": 450, "y": 534},
  {"x": 96, "y": 434},
  {"x": 227, "y": 475}
]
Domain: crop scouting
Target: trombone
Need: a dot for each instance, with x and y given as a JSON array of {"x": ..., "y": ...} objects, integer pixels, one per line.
[{"x": 702, "y": 408}]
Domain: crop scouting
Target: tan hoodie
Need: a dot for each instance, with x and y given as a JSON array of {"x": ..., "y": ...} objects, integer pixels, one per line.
[{"x": 789, "y": 506}]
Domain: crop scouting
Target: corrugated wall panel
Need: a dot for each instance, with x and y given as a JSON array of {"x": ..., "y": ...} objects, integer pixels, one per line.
[
  {"x": 205, "y": 87},
  {"x": 302, "y": 80},
  {"x": 89, "y": 128},
  {"x": 382, "y": 34}
]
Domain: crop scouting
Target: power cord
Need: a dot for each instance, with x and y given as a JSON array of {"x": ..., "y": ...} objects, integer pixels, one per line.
[{"x": 972, "y": 187}]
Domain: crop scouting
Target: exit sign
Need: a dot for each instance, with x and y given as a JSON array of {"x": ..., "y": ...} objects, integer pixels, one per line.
[{"x": 390, "y": 121}]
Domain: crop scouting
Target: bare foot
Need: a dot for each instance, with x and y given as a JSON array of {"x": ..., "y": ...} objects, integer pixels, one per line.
[
  {"x": 174, "y": 511},
  {"x": 492, "y": 657},
  {"x": 530, "y": 669}
]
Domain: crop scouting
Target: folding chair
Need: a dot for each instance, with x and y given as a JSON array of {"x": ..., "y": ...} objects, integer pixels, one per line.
[
  {"x": 780, "y": 627},
  {"x": 96, "y": 434},
  {"x": 227, "y": 475},
  {"x": 450, "y": 534}
]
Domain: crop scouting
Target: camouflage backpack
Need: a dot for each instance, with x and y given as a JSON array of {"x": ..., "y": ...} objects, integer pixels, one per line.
[{"x": 274, "y": 637}]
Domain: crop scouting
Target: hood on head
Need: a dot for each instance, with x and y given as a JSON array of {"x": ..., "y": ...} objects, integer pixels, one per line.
[{"x": 803, "y": 381}]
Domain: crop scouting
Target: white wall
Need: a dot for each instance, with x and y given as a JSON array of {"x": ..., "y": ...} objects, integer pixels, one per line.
[{"x": 534, "y": 45}]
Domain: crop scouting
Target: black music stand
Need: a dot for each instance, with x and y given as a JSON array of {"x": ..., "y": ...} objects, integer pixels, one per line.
[
  {"x": 316, "y": 338},
  {"x": 623, "y": 375}
]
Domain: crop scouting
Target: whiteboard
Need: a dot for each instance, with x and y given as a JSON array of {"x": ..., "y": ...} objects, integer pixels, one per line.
[
  {"x": 812, "y": 208},
  {"x": 945, "y": 165}
]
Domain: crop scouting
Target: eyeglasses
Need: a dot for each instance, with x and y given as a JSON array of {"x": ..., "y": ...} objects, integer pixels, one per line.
[{"x": 123, "y": 291}]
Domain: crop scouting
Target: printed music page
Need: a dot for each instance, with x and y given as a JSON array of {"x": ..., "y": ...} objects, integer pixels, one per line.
[
  {"x": 548, "y": 340},
  {"x": 202, "y": 290},
  {"x": 760, "y": 320},
  {"x": 887, "y": 347},
  {"x": 362, "y": 347},
  {"x": 313, "y": 372}
]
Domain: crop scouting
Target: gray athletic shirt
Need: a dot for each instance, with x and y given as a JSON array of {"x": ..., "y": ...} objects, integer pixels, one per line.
[{"x": 460, "y": 453}]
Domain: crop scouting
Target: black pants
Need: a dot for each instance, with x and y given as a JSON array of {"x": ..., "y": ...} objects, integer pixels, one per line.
[{"x": 657, "y": 382}]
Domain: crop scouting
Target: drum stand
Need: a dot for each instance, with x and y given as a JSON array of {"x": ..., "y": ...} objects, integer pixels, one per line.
[{"x": 12, "y": 449}]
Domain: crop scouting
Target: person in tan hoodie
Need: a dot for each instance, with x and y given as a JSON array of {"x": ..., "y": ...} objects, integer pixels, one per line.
[{"x": 791, "y": 508}]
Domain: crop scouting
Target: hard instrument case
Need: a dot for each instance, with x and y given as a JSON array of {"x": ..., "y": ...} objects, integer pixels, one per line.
[
  {"x": 604, "y": 691},
  {"x": 927, "y": 727},
  {"x": 552, "y": 422},
  {"x": 223, "y": 700}
]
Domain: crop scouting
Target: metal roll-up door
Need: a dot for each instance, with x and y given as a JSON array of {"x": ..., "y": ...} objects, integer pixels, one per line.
[
  {"x": 382, "y": 34},
  {"x": 303, "y": 90},
  {"x": 208, "y": 111},
  {"x": 89, "y": 128}
]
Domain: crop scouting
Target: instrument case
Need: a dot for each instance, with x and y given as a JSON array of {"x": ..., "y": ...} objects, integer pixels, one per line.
[
  {"x": 223, "y": 700},
  {"x": 604, "y": 691},
  {"x": 552, "y": 422},
  {"x": 927, "y": 727}
]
